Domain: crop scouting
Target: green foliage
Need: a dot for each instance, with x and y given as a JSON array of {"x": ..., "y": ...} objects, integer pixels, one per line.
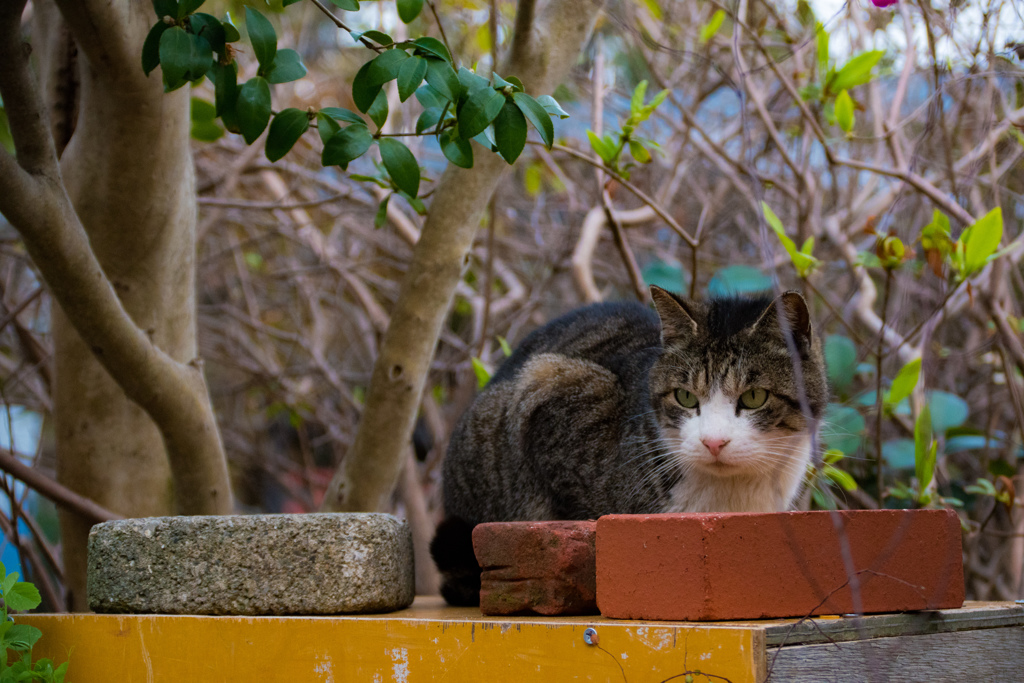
[
  {"x": 483, "y": 375},
  {"x": 857, "y": 71},
  {"x": 708, "y": 30},
  {"x": 204, "y": 121},
  {"x": 904, "y": 382},
  {"x": 802, "y": 259},
  {"x": 828, "y": 476},
  {"x": 977, "y": 244},
  {"x": 287, "y": 127},
  {"x": 21, "y": 638},
  {"x": 610, "y": 147},
  {"x": 459, "y": 105},
  {"x": 401, "y": 165},
  {"x": 844, "y": 111},
  {"x": 738, "y": 280},
  {"x": 925, "y": 449},
  {"x": 842, "y": 428},
  {"x": 840, "y": 361}
]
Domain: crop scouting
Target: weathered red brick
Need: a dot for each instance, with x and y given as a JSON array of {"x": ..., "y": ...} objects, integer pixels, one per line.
[
  {"x": 701, "y": 567},
  {"x": 536, "y": 567}
]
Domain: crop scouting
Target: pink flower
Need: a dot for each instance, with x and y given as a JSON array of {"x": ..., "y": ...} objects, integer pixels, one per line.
[{"x": 884, "y": 3}]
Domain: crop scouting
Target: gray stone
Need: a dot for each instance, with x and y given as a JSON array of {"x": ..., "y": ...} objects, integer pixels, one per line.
[{"x": 258, "y": 564}]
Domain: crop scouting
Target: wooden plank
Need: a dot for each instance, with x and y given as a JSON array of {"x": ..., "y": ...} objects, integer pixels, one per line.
[
  {"x": 995, "y": 654},
  {"x": 973, "y": 615},
  {"x": 422, "y": 644}
]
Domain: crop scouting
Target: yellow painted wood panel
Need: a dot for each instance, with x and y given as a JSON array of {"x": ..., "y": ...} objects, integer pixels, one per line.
[{"x": 412, "y": 646}]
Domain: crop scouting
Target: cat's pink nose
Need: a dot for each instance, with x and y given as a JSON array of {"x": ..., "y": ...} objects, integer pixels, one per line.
[{"x": 715, "y": 444}]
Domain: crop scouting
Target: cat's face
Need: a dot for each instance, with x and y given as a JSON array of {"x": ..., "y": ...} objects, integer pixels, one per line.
[{"x": 725, "y": 390}]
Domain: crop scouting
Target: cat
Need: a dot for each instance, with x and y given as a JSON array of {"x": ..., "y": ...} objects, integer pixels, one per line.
[{"x": 614, "y": 408}]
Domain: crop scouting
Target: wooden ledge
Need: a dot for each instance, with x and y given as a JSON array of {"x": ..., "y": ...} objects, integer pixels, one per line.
[{"x": 433, "y": 642}]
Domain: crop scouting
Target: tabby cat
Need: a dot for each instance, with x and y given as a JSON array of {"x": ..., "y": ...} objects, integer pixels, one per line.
[{"x": 615, "y": 409}]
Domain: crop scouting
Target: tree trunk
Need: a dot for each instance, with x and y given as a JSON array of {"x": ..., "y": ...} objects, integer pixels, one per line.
[
  {"x": 113, "y": 234},
  {"x": 543, "y": 51}
]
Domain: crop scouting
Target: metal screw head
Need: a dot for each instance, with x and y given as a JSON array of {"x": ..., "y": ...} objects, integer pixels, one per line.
[{"x": 590, "y": 636}]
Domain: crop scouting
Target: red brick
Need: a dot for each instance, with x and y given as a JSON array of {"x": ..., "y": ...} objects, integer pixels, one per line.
[
  {"x": 536, "y": 567},
  {"x": 703, "y": 567}
]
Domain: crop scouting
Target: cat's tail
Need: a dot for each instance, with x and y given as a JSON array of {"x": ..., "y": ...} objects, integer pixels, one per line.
[{"x": 452, "y": 550}]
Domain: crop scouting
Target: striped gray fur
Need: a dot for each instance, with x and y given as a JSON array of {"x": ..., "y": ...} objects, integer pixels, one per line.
[{"x": 583, "y": 420}]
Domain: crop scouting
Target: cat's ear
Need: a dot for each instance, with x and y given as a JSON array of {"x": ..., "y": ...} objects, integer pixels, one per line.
[
  {"x": 676, "y": 321},
  {"x": 794, "y": 311}
]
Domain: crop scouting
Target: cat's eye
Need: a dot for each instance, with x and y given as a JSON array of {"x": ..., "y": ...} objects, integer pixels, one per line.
[
  {"x": 686, "y": 399},
  {"x": 754, "y": 398}
]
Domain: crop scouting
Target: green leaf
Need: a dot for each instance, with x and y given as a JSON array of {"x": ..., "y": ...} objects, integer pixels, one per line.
[
  {"x": 204, "y": 125},
  {"x": 347, "y": 5},
  {"x": 434, "y": 47},
  {"x": 842, "y": 428},
  {"x": 382, "y": 213},
  {"x": 904, "y": 382},
  {"x": 480, "y": 108},
  {"x": 210, "y": 29},
  {"x": 505, "y": 348},
  {"x": 899, "y": 454},
  {"x": 21, "y": 637},
  {"x": 22, "y": 596},
  {"x": 636, "y": 102},
  {"x": 408, "y": 10},
  {"x": 346, "y": 145},
  {"x": 737, "y": 280},
  {"x": 948, "y": 411},
  {"x": 378, "y": 111},
  {"x": 385, "y": 66},
  {"x": 378, "y": 37},
  {"x": 287, "y": 67},
  {"x": 639, "y": 152},
  {"x": 9, "y": 581},
  {"x": 226, "y": 95},
  {"x": 471, "y": 81},
  {"x": 186, "y": 7},
  {"x": 486, "y": 139},
  {"x": 428, "y": 97},
  {"x": 840, "y": 361},
  {"x": 600, "y": 145},
  {"x": 536, "y": 114},
  {"x": 803, "y": 263},
  {"x": 456, "y": 150},
  {"x": 166, "y": 8},
  {"x": 151, "y": 47},
  {"x": 664, "y": 274},
  {"x": 285, "y": 3},
  {"x": 844, "y": 111},
  {"x": 410, "y": 75},
  {"x": 202, "y": 58},
  {"x": 924, "y": 448},
  {"x": 231, "y": 34},
  {"x": 262, "y": 36},
  {"x": 552, "y": 107},
  {"x": 839, "y": 477},
  {"x": 253, "y": 108},
  {"x": 821, "y": 37},
  {"x": 483, "y": 376},
  {"x": 285, "y": 130},
  {"x": 175, "y": 57},
  {"x": 428, "y": 119},
  {"x": 855, "y": 72},
  {"x": 443, "y": 79},
  {"x": 342, "y": 114},
  {"x": 982, "y": 239},
  {"x": 708, "y": 31},
  {"x": 510, "y": 132},
  {"x": 364, "y": 90},
  {"x": 401, "y": 165}
]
